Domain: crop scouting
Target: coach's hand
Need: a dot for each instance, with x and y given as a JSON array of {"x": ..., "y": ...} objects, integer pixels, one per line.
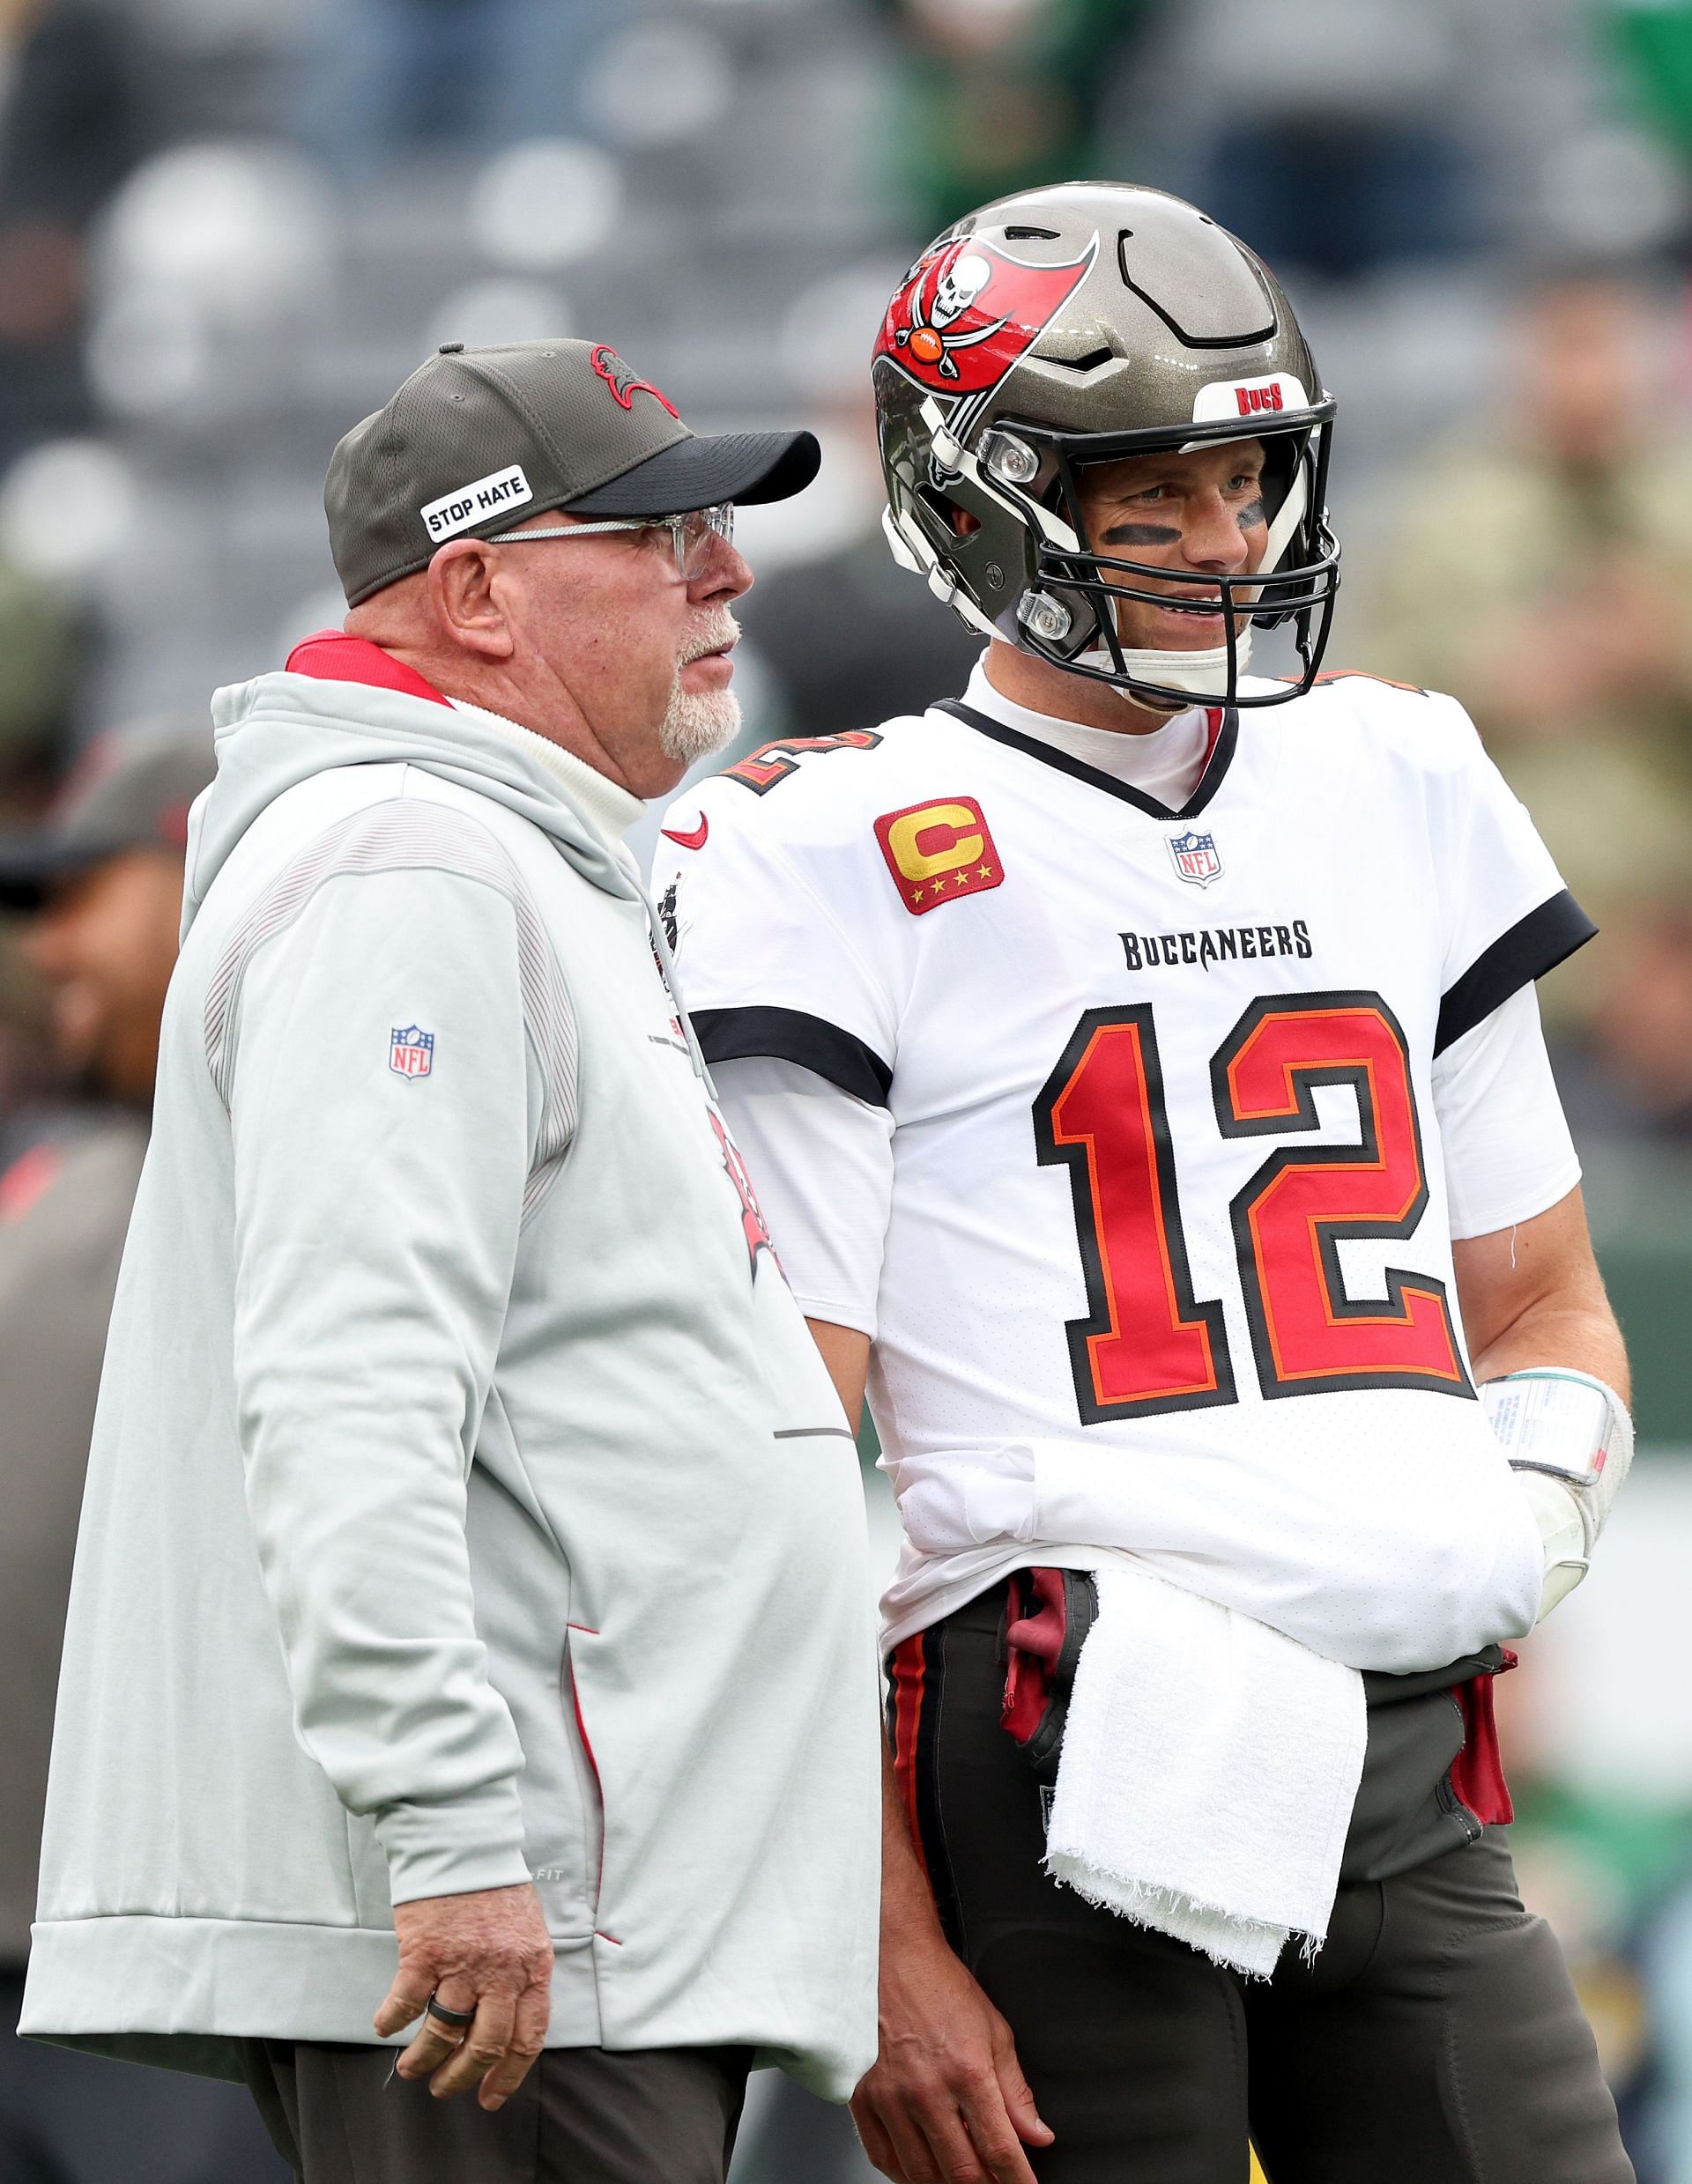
[
  {"x": 946, "y": 2102},
  {"x": 488, "y": 1951}
]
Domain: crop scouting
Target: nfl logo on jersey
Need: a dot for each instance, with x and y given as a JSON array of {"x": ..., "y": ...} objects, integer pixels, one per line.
[
  {"x": 1195, "y": 857},
  {"x": 411, "y": 1052}
]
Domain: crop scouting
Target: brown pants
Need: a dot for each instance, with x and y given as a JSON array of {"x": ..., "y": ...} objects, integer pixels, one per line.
[{"x": 656, "y": 2116}]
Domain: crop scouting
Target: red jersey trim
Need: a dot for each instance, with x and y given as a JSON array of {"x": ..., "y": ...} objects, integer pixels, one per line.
[{"x": 333, "y": 656}]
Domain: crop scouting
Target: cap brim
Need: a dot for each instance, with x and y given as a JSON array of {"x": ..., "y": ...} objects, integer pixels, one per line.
[{"x": 746, "y": 467}]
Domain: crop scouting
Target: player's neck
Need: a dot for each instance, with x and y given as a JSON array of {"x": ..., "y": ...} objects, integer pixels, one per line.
[{"x": 1042, "y": 688}]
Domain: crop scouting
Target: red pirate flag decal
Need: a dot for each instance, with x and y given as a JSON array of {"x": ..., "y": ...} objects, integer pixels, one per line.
[
  {"x": 966, "y": 313},
  {"x": 623, "y": 383}
]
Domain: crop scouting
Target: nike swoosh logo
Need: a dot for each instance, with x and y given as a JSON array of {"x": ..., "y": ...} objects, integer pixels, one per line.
[{"x": 695, "y": 840}]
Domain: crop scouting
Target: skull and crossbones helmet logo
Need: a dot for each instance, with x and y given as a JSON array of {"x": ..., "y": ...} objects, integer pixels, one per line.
[{"x": 956, "y": 292}]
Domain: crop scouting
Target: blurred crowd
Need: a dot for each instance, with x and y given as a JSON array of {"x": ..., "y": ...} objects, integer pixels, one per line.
[{"x": 226, "y": 230}]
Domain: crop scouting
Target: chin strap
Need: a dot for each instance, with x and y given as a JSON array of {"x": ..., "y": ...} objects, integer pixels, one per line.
[
  {"x": 1203, "y": 673},
  {"x": 1569, "y": 1440}
]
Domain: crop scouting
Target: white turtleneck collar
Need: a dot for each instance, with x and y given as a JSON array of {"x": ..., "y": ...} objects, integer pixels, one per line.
[
  {"x": 611, "y": 809},
  {"x": 1165, "y": 763}
]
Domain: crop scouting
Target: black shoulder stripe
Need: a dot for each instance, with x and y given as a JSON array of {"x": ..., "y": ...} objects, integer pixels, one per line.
[
  {"x": 1533, "y": 946},
  {"x": 790, "y": 1035}
]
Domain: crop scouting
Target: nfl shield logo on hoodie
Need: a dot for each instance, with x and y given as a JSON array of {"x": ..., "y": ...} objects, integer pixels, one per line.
[{"x": 410, "y": 1052}]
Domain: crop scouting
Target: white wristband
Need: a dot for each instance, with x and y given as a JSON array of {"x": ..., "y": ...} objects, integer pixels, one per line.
[{"x": 1569, "y": 1437}]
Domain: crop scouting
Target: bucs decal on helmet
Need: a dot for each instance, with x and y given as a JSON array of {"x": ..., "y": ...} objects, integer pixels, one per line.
[
  {"x": 623, "y": 383},
  {"x": 967, "y": 312}
]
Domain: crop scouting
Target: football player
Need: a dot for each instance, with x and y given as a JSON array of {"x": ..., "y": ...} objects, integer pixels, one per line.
[{"x": 1139, "y": 1061}]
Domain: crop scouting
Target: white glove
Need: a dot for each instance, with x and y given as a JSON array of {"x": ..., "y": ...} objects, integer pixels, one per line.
[{"x": 1570, "y": 1442}]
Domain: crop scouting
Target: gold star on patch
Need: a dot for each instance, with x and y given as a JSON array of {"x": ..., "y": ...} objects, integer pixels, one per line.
[{"x": 984, "y": 872}]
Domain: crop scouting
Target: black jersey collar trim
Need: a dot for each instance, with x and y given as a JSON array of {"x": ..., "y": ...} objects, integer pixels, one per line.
[
  {"x": 1533, "y": 946},
  {"x": 790, "y": 1035},
  {"x": 1210, "y": 781}
]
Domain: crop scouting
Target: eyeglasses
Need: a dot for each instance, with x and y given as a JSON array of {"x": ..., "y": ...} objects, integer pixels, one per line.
[{"x": 690, "y": 535}]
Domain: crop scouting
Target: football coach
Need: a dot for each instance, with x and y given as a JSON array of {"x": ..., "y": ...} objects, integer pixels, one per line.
[{"x": 468, "y": 1672}]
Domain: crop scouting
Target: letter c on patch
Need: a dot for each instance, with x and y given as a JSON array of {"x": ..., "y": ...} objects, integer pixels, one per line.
[{"x": 936, "y": 839}]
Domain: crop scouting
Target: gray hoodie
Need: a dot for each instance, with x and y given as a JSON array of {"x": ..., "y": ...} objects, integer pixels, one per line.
[{"x": 467, "y": 1502}]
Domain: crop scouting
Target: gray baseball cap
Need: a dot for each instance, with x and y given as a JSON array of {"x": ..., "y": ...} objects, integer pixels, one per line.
[
  {"x": 132, "y": 791},
  {"x": 478, "y": 438}
]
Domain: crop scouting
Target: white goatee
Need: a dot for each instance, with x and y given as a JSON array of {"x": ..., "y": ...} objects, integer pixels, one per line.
[{"x": 698, "y": 722}]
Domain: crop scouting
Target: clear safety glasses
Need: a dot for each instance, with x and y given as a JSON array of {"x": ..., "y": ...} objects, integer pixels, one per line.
[{"x": 690, "y": 535}]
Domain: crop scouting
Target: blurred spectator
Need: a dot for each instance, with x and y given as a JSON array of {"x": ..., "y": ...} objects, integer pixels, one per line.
[
  {"x": 1626, "y": 1072},
  {"x": 1653, "y": 39},
  {"x": 104, "y": 880},
  {"x": 1000, "y": 94},
  {"x": 69, "y": 130},
  {"x": 1328, "y": 131},
  {"x": 458, "y": 76},
  {"x": 41, "y": 660},
  {"x": 850, "y": 639},
  {"x": 1537, "y": 567}
]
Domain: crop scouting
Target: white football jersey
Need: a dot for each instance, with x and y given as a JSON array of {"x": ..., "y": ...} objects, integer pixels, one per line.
[{"x": 1168, "y": 1268}]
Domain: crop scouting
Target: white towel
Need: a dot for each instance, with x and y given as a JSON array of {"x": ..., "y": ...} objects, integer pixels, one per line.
[{"x": 1208, "y": 1773}]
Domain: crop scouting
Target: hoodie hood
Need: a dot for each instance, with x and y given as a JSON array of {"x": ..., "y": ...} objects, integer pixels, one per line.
[{"x": 342, "y": 701}]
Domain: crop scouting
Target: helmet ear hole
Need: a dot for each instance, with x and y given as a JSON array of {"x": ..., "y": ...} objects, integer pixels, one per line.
[{"x": 958, "y": 520}]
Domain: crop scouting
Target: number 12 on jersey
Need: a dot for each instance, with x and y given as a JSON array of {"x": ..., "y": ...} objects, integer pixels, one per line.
[{"x": 1147, "y": 1344}]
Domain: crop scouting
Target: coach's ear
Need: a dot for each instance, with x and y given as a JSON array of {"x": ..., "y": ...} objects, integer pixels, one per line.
[{"x": 464, "y": 597}]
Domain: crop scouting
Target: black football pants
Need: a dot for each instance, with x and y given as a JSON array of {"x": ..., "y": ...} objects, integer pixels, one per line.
[{"x": 1436, "y": 2040}]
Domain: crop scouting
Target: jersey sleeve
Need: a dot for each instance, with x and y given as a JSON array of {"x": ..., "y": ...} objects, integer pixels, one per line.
[
  {"x": 769, "y": 961},
  {"x": 821, "y": 1162},
  {"x": 1507, "y": 1154},
  {"x": 1509, "y": 918}
]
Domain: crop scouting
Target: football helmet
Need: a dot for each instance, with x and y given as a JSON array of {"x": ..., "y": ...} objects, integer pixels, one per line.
[{"x": 1080, "y": 324}]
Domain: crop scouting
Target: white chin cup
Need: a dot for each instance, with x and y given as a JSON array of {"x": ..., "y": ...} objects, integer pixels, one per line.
[
  {"x": 1569, "y": 1438},
  {"x": 1203, "y": 673}
]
